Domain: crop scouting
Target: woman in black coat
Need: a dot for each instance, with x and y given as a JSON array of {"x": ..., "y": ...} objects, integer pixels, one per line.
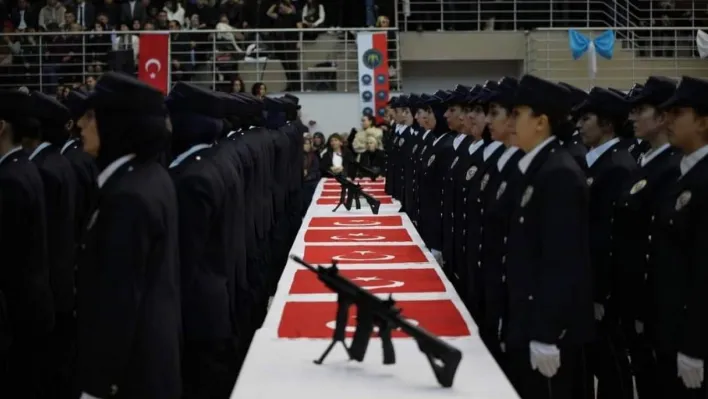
[
  {"x": 337, "y": 159},
  {"x": 374, "y": 157}
]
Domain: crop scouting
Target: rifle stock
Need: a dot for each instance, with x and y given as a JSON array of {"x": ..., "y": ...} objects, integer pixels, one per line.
[
  {"x": 353, "y": 192},
  {"x": 372, "y": 312}
]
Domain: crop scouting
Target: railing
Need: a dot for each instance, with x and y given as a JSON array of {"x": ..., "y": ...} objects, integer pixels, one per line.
[
  {"x": 465, "y": 15},
  {"x": 283, "y": 59},
  {"x": 652, "y": 51}
]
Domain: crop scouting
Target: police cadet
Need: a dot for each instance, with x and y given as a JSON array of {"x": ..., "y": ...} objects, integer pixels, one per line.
[
  {"x": 25, "y": 289},
  {"x": 574, "y": 144},
  {"x": 658, "y": 168},
  {"x": 409, "y": 151},
  {"x": 435, "y": 164},
  {"x": 456, "y": 103},
  {"x": 84, "y": 166},
  {"x": 60, "y": 184},
  {"x": 602, "y": 115},
  {"x": 295, "y": 130},
  {"x": 498, "y": 202},
  {"x": 426, "y": 120},
  {"x": 636, "y": 146},
  {"x": 393, "y": 165},
  {"x": 678, "y": 250},
  {"x": 128, "y": 278},
  {"x": 207, "y": 294},
  {"x": 548, "y": 263},
  {"x": 405, "y": 144},
  {"x": 390, "y": 145}
]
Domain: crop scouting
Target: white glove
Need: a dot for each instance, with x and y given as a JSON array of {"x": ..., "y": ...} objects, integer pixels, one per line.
[
  {"x": 639, "y": 327},
  {"x": 545, "y": 358},
  {"x": 84, "y": 395},
  {"x": 690, "y": 370},
  {"x": 599, "y": 311},
  {"x": 437, "y": 255}
]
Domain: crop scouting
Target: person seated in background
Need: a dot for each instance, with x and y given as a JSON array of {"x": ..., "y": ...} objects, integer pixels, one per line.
[
  {"x": 368, "y": 129},
  {"x": 311, "y": 173},
  {"x": 336, "y": 158},
  {"x": 374, "y": 156}
]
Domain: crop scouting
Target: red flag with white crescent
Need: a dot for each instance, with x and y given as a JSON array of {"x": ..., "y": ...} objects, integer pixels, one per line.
[{"x": 153, "y": 60}]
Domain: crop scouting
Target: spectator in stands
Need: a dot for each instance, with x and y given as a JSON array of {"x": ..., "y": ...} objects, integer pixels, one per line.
[
  {"x": 195, "y": 23},
  {"x": 109, "y": 14},
  {"x": 132, "y": 10},
  {"x": 52, "y": 13},
  {"x": 284, "y": 16},
  {"x": 318, "y": 143},
  {"x": 235, "y": 11},
  {"x": 174, "y": 11},
  {"x": 127, "y": 41},
  {"x": 208, "y": 15},
  {"x": 313, "y": 16},
  {"x": 374, "y": 156},
  {"x": 90, "y": 83},
  {"x": 337, "y": 158},
  {"x": 162, "y": 21},
  {"x": 85, "y": 14},
  {"x": 237, "y": 85},
  {"x": 183, "y": 53},
  {"x": 259, "y": 89},
  {"x": 22, "y": 16}
]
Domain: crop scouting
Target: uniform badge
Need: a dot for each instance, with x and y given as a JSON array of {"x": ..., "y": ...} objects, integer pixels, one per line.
[
  {"x": 683, "y": 200},
  {"x": 425, "y": 147},
  {"x": 501, "y": 189},
  {"x": 590, "y": 180},
  {"x": 527, "y": 196},
  {"x": 454, "y": 162},
  {"x": 401, "y": 141},
  {"x": 485, "y": 180},
  {"x": 415, "y": 147},
  {"x": 470, "y": 173},
  {"x": 395, "y": 140},
  {"x": 638, "y": 186},
  {"x": 431, "y": 160},
  {"x": 92, "y": 221}
]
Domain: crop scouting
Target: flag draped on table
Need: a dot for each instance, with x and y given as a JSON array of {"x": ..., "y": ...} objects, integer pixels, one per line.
[
  {"x": 372, "y": 51},
  {"x": 604, "y": 45}
]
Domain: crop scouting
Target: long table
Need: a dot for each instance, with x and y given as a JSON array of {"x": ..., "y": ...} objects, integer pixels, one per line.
[{"x": 384, "y": 254}]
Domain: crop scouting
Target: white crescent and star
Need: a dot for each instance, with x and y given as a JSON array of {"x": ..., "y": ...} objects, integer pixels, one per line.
[
  {"x": 358, "y": 237},
  {"x": 149, "y": 63},
  {"x": 381, "y": 257},
  {"x": 393, "y": 283},
  {"x": 358, "y": 222},
  {"x": 332, "y": 324}
]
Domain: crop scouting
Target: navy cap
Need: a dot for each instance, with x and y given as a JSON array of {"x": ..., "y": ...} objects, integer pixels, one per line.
[
  {"x": 190, "y": 98},
  {"x": 656, "y": 91},
  {"x": 577, "y": 96},
  {"x": 119, "y": 92},
  {"x": 290, "y": 104},
  {"x": 293, "y": 99},
  {"x": 543, "y": 97},
  {"x": 393, "y": 101},
  {"x": 48, "y": 110},
  {"x": 76, "y": 102},
  {"x": 635, "y": 90},
  {"x": 435, "y": 99},
  {"x": 414, "y": 101},
  {"x": 458, "y": 96},
  {"x": 604, "y": 103},
  {"x": 475, "y": 95},
  {"x": 691, "y": 93},
  {"x": 273, "y": 104},
  {"x": 16, "y": 105},
  {"x": 503, "y": 94},
  {"x": 250, "y": 102}
]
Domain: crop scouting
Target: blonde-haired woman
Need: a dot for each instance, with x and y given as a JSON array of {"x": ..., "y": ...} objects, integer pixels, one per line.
[{"x": 368, "y": 130}]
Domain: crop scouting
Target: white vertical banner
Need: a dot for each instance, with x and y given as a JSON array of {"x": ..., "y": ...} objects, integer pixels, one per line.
[{"x": 372, "y": 52}]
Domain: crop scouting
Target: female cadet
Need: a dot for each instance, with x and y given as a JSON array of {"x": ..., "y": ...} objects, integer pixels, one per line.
[
  {"x": 610, "y": 166},
  {"x": 498, "y": 205},
  {"x": 548, "y": 263},
  {"x": 658, "y": 169},
  {"x": 426, "y": 119},
  {"x": 678, "y": 252},
  {"x": 128, "y": 278}
]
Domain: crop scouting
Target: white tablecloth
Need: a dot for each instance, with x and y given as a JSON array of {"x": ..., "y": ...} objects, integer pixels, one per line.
[{"x": 279, "y": 366}]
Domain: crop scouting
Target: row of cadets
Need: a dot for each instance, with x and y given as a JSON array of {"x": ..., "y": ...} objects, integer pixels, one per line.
[
  {"x": 208, "y": 286},
  {"x": 609, "y": 165}
]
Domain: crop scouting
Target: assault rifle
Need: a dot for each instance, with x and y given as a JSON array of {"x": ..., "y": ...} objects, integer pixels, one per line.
[
  {"x": 372, "y": 311},
  {"x": 351, "y": 193}
]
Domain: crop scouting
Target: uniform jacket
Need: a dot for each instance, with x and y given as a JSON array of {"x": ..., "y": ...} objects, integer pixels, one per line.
[
  {"x": 435, "y": 164},
  {"x": 548, "y": 263},
  {"x": 86, "y": 187},
  {"x": 128, "y": 293}
]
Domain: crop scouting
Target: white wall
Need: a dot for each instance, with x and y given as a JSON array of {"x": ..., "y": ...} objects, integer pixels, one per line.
[{"x": 339, "y": 112}]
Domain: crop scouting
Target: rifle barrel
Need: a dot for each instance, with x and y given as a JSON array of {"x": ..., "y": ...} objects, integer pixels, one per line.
[{"x": 299, "y": 260}]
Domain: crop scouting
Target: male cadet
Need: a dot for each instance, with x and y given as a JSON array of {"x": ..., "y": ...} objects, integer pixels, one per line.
[
  {"x": 575, "y": 145},
  {"x": 678, "y": 250},
  {"x": 602, "y": 115},
  {"x": 409, "y": 153},
  {"x": 455, "y": 116},
  {"x": 60, "y": 184},
  {"x": 658, "y": 169},
  {"x": 405, "y": 144},
  {"x": 390, "y": 146},
  {"x": 434, "y": 167},
  {"x": 84, "y": 166},
  {"x": 129, "y": 316},
  {"x": 548, "y": 264},
  {"x": 207, "y": 293},
  {"x": 24, "y": 276},
  {"x": 498, "y": 200}
]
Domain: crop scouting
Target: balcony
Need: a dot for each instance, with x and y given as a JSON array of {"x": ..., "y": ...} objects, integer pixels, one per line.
[{"x": 306, "y": 60}]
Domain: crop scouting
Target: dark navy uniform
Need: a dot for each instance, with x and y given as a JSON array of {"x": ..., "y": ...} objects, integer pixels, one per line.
[
  {"x": 678, "y": 259},
  {"x": 548, "y": 263},
  {"x": 609, "y": 169},
  {"x": 412, "y": 146},
  {"x": 390, "y": 143},
  {"x": 128, "y": 280},
  {"x": 24, "y": 276},
  {"x": 574, "y": 144}
]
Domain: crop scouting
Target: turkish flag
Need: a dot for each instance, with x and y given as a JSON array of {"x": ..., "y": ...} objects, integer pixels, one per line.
[
  {"x": 363, "y": 184},
  {"x": 347, "y": 254},
  {"x": 376, "y": 281},
  {"x": 359, "y": 180},
  {"x": 367, "y": 189},
  {"x": 357, "y": 221},
  {"x": 154, "y": 60},
  {"x": 335, "y": 201},
  {"x": 317, "y": 319},
  {"x": 358, "y": 235}
]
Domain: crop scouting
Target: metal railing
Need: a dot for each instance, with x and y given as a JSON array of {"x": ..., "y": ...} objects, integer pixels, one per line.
[
  {"x": 465, "y": 15},
  {"x": 282, "y": 59},
  {"x": 650, "y": 51}
]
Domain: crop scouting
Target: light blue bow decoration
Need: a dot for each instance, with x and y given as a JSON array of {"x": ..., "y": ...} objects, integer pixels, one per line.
[{"x": 604, "y": 45}]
